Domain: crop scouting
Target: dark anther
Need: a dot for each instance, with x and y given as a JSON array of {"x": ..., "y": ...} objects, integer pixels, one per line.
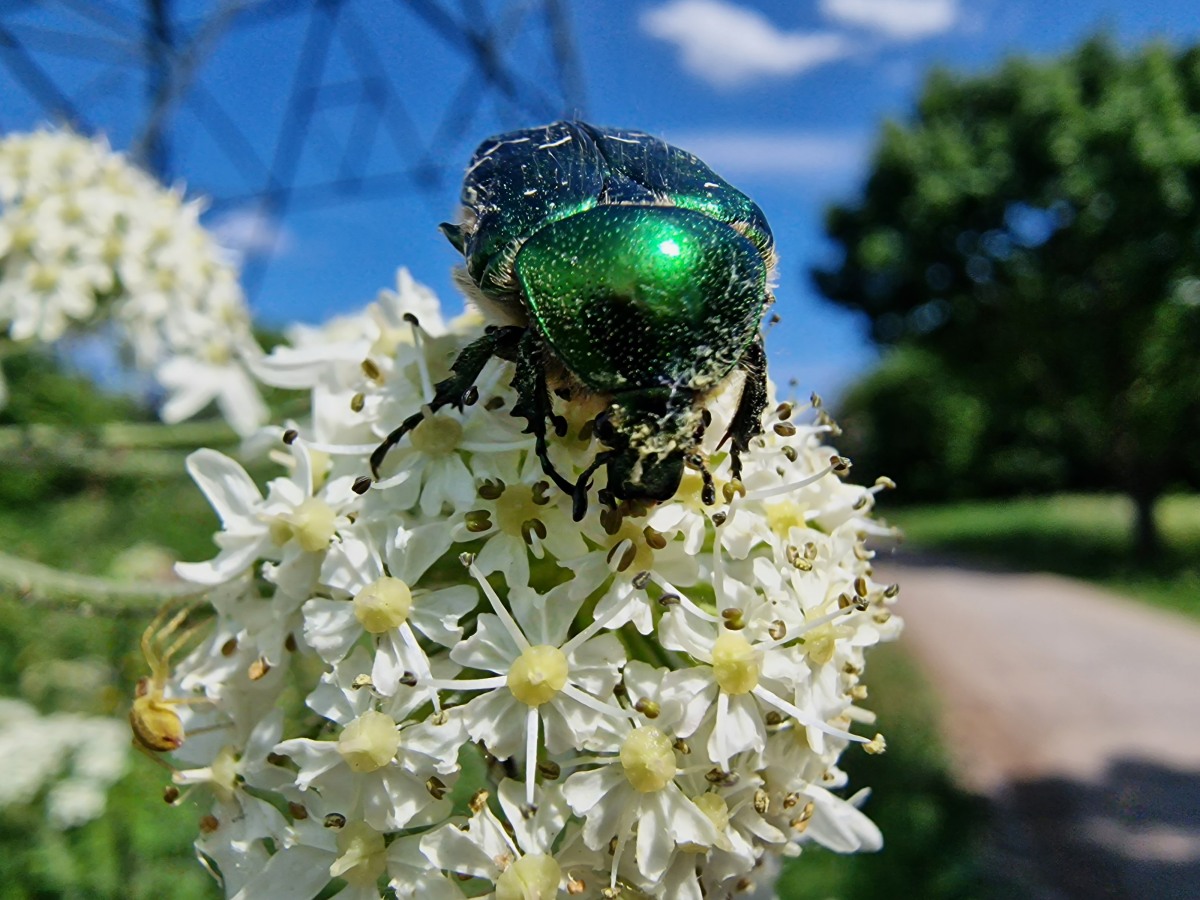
[
  {"x": 562, "y": 393},
  {"x": 560, "y": 428},
  {"x": 706, "y": 417},
  {"x": 668, "y": 600},
  {"x": 362, "y": 484},
  {"x": 371, "y": 370},
  {"x": 289, "y": 436},
  {"x": 491, "y": 490},
  {"x": 789, "y": 452},
  {"x": 357, "y": 402},
  {"x": 494, "y": 404},
  {"x": 411, "y": 319},
  {"x": 335, "y": 820},
  {"x": 298, "y": 811},
  {"x": 654, "y": 539},
  {"x": 549, "y": 770},
  {"x": 610, "y": 520},
  {"x": 784, "y": 411},
  {"x": 467, "y": 559},
  {"x": 531, "y": 527},
  {"x": 478, "y": 521},
  {"x": 640, "y": 580},
  {"x": 718, "y": 518},
  {"x": 170, "y": 794},
  {"x": 409, "y": 679},
  {"x": 541, "y": 493},
  {"x": 470, "y": 396},
  {"x": 784, "y": 429}
]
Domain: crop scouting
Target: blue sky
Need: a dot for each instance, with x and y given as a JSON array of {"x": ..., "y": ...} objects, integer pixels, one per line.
[{"x": 783, "y": 99}]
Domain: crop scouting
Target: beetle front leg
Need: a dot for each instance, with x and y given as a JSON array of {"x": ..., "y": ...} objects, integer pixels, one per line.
[
  {"x": 747, "y": 419},
  {"x": 496, "y": 341},
  {"x": 533, "y": 404}
]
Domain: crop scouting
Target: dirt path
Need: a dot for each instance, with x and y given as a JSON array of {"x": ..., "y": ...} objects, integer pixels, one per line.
[{"x": 1078, "y": 714}]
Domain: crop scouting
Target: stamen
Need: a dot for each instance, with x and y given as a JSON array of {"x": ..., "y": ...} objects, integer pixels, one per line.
[
  {"x": 422, "y": 368},
  {"x": 804, "y": 718},
  {"x": 503, "y": 614},
  {"x": 684, "y": 601},
  {"x": 531, "y": 745}
]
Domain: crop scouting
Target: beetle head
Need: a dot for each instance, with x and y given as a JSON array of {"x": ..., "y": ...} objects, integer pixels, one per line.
[{"x": 649, "y": 433}]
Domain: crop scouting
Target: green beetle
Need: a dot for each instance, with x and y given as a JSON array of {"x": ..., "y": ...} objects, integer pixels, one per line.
[{"x": 613, "y": 264}]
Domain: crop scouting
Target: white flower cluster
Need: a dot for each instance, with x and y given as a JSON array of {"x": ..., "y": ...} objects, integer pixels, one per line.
[
  {"x": 86, "y": 238},
  {"x": 74, "y": 759},
  {"x": 500, "y": 700}
]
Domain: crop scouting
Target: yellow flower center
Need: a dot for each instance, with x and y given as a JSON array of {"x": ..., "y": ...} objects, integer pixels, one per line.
[
  {"x": 784, "y": 515},
  {"x": 515, "y": 507},
  {"x": 362, "y": 855},
  {"x": 224, "y": 771},
  {"x": 437, "y": 435},
  {"x": 369, "y": 742},
  {"x": 382, "y": 605},
  {"x": 538, "y": 674},
  {"x": 648, "y": 759},
  {"x": 821, "y": 642},
  {"x": 533, "y": 877},
  {"x": 736, "y": 664},
  {"x": 715, "y": 809},
  {"x": 312, "y": 524}
]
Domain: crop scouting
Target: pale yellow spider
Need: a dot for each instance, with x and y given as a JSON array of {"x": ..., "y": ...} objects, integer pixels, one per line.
[{"x": 156, "y": 725}]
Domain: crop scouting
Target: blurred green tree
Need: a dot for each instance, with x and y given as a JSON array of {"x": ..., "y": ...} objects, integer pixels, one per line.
[{"x": 1037, "y": 230}]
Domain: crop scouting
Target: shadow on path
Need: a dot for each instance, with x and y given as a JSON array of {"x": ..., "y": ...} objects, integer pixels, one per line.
[
  {"x": 1133, "y": 834},
  {"x": 1076, "y": 713}
]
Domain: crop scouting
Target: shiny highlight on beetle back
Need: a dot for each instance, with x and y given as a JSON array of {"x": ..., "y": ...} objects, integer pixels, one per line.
[{"x": 644, "y": 295}]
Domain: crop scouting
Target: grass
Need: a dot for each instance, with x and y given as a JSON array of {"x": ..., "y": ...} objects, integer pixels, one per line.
[
  {"x": 1088, "y": 536},
  {"x": 931, "y": 829}
]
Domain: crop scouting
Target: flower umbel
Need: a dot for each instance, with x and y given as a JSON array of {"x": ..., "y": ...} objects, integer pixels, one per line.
[{"x": 652, "y": 698}]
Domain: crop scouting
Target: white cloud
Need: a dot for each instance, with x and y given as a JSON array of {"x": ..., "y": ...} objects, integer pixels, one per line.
[
  {"x": 729, "y": 45},
  {"x": 249, "y": 232},
  {"x": 902, "y": 20},
  {"x": 741, "y": 153}
]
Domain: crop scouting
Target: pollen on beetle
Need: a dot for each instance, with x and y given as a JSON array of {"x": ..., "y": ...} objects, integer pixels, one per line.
[
  {"x": 538, "y": 674},
  {"x": 648, "y": 759}
]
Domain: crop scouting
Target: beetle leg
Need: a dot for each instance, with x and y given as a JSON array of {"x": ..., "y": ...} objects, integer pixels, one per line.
[
  {"x": 708, "y": 493},
  {"x": 455, "y": 390},
  {"x": 583, "y": 485},
  {"x": 533, "y": 404},
  {"x": 747, "y": 419}
]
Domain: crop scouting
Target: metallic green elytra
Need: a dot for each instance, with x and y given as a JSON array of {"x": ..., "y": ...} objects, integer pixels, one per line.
[{"x": 614, "y": 265}]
